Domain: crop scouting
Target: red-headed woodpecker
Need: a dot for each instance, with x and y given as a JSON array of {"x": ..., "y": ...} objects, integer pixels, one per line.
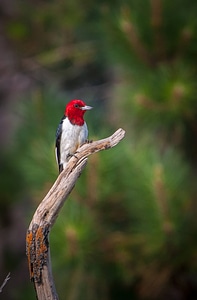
[{"x": 71, "y": 133}]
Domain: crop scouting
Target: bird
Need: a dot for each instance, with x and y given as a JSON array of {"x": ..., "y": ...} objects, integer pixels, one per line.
[{"x": 71, "y": 133}]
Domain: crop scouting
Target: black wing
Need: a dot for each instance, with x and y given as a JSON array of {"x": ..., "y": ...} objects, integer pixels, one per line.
[{"x": 57, "y": 144}]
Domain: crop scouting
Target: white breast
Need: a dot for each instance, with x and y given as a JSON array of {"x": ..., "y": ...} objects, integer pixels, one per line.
[{"x": 72, "y": 137}]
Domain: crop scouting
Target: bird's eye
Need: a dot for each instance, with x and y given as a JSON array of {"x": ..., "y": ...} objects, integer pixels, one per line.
[{"x": 76, "y": 105}]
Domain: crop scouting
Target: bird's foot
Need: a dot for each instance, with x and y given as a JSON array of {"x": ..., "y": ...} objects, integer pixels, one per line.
[
  {"x": 87, "y": 142},
  {"x": 69, "y": 155}
]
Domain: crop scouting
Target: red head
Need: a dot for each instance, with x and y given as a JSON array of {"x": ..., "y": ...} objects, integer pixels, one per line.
[{"x": 75, "y": 111}]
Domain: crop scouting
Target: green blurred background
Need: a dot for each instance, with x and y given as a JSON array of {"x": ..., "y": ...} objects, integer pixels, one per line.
[{"x": 129, "y": 228}]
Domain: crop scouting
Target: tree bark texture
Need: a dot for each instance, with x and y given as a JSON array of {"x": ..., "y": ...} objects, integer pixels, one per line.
[{"x": 37, "y": 238}]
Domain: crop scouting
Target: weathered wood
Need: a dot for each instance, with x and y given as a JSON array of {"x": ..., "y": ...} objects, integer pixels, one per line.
[{"x": 37, "y": 242}]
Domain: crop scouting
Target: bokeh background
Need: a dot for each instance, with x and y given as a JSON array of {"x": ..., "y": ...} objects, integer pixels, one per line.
[{"x": 129, "y": 228}]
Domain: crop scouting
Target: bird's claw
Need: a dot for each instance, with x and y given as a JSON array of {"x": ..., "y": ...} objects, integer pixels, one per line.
[
  {"x": 69, "y": 155},
  {"x": 87, "y": 142}
]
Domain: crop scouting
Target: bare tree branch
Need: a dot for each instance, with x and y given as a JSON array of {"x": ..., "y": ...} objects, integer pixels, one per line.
[
  {"x": 5, "y": 281},
  {"x": 37, "y": 242}
]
